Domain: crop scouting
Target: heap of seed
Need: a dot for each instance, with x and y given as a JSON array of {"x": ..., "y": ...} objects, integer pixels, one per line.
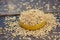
[
  {"x": 14, "y": 26},
  {"x": 31, "y": 17}
]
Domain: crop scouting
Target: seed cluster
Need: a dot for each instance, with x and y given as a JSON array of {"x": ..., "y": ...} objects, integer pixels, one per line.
[
  {"x": 50, "y": 19},
  {"x": 31, "y": 17}
]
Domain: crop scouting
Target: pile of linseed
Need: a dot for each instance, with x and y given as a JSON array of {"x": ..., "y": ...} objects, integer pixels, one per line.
[{"x": 12, "y": 25}]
